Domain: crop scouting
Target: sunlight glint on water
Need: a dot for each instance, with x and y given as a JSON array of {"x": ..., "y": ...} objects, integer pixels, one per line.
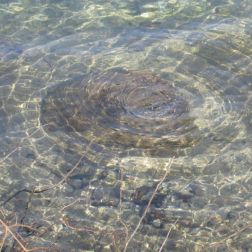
[{"x": 96, "y": 97}]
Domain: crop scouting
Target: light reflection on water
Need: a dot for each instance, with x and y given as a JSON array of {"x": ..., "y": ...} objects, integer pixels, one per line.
[{"x": 114, "y": 89}]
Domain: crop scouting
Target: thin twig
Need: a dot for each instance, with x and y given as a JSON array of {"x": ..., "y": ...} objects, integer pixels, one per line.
[
  {"x": 68, "y": 205},
  {"x": 47, "y": 188},
  {"x": 83, "y": 229},
  {"x": 149, "y": 203},
  {"x": 18, "y": 147},
  {"x": 9, "y": 231},
  {"x": 65, "y": 177},
  {"x": 16, "y": 236},
  {"x": 232, "y": 236},
  {"x": 167, "y": 236}
]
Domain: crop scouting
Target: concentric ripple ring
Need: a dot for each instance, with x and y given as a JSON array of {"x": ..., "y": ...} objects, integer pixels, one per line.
[{"x": 119, "y": 112}]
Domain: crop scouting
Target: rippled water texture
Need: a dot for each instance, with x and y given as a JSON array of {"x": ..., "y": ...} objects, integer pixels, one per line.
[
  {"x": 120, "y": 113},
  {"x": 96, "y": 98}
]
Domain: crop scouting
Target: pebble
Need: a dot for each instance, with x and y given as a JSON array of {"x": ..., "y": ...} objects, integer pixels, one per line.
[{"x": 157, "y": 223}]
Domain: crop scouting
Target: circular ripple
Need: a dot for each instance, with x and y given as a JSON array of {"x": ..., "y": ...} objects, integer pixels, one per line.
[
  {"x": 195, "y": 108},
  {"x": 119, "y": 113}
]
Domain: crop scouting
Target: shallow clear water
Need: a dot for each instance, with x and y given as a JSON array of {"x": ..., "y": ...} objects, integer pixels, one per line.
[{"x": 96, "y": 98}]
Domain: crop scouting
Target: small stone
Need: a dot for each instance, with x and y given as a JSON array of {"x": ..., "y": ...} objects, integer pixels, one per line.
[
  {"x": 77, "y": 183},
  {"x": 157, "y": 223},
  {"x": 105, "y": 196}
]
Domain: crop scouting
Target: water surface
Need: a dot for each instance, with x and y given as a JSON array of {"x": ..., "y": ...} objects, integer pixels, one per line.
[{"x": 96, "y": 97}]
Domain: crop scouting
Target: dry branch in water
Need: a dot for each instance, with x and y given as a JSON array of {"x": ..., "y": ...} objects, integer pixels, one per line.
[
  {"x": 112, "y": 233},
  {"x": 37, "y": 190},
  {"x": 66, "y": 176},
  {"x": 168, "y": 167},
  {"x": 9, "y": 231},
  {"x": 167, "y": 236}
]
